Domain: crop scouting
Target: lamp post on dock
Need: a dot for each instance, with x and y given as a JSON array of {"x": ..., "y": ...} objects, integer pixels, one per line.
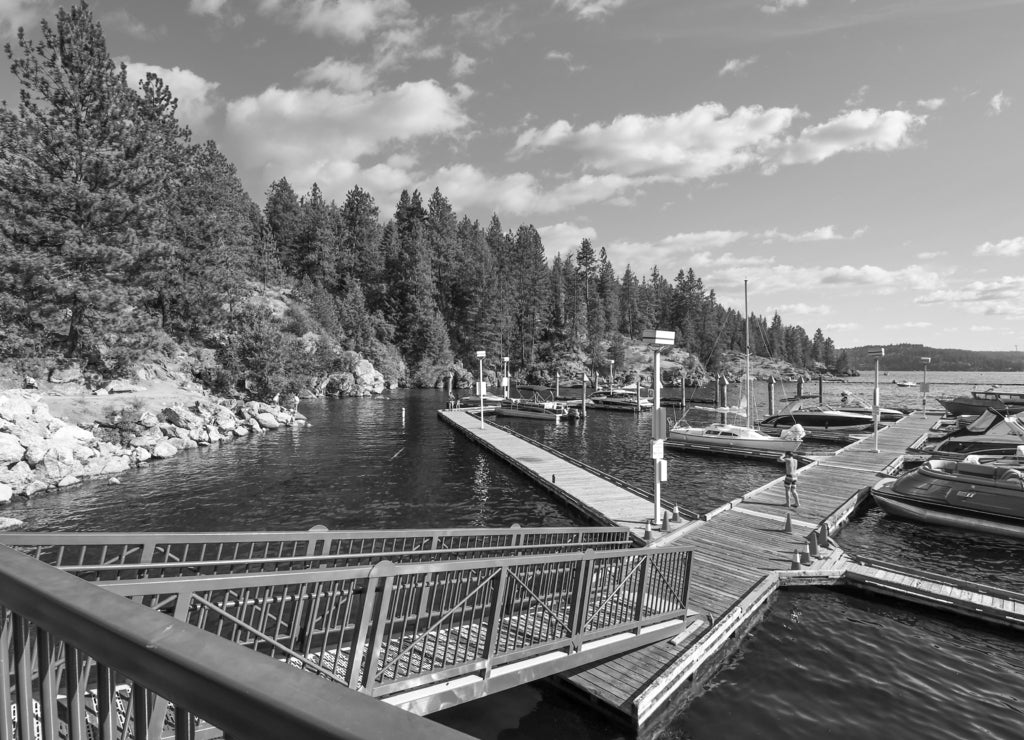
[
  {"x": 480, "y": 387},
  {"x": 925, "y": 361},
  {"x": 878, "y": 354},
  {"x": 658, "y": 340}
]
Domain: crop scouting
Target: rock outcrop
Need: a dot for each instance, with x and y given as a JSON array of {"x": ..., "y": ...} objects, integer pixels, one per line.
[{"x": 39, "y": 451}]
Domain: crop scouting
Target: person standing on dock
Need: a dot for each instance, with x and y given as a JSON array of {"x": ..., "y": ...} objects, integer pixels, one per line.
[{"x": 790, "y": 481}]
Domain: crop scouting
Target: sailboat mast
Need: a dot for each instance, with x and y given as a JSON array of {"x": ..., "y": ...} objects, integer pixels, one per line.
[{"x": 746, "y": 378}]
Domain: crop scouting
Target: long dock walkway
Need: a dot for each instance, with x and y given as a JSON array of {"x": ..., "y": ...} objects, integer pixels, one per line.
[{"x": 743, "y": 551}]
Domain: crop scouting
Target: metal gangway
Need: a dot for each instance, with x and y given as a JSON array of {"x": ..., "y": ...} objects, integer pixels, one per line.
[{"x": 419, "y": 620}]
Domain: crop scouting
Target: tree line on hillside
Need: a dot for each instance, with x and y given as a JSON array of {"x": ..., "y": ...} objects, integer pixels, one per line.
[
  {"x": 907, "y": 357},
  {"x": 119, "y": 238}
]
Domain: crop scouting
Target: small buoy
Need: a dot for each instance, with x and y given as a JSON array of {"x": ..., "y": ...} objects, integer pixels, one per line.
[
  {"x": 805, "y": 556},
  {"x": 795, "y": 564},
  {"x": 788, "y": 526}
]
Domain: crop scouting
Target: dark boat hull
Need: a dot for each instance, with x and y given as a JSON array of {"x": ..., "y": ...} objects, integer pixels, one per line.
[
  {"x": 913, "y": 512},
  {"x": 845, "y": 423}
]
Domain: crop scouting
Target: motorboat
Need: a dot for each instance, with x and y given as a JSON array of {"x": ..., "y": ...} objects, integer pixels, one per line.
[
  {"x": 619, "y": 399},
  {"x": 993, "y": 432},
  {"x": 529, "y": 408},
  {"x": 958, "y": 493},
  {"x": 815, "y": 416},
  {"x": 1009, "y": 401},
  {"x": 471, "y": 401},
  {"x": 856, "y": 405},
  {"x": 905, "y": 383}
]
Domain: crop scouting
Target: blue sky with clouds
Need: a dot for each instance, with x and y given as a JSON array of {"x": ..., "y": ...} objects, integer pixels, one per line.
[{"x": 857, "y": 161}]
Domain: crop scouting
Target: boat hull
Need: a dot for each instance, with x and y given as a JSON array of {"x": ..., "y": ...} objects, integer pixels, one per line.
[
  {"x": 769, "y": 446},
  {"x": 906, "y": 510},
  {"x": 843, "y": 421}
]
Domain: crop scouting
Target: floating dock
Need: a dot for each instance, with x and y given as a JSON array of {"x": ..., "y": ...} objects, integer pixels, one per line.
[{"x": 743, "y": 552}]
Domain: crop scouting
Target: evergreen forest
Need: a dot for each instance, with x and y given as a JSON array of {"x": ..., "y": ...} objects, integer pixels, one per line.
[{"x": 121, "y": 239}]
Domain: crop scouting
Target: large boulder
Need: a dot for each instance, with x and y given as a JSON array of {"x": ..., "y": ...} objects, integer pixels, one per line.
[
  {"x": 6, "y": 493},
  {"x": 71, "y": 435},
  {"x": 181, "y": 417},
  {"x": 11, "y": 450},
  {"x": 267, "y": 420},
  {"x": 368, "y": 378},
  {"x": 58, "y": 463},
  {"x": 164, "y": 449},
  {"x": 70, "y": 374}
]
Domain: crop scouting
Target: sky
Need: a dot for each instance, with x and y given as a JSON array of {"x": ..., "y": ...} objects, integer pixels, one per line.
[{"x": 857, "y": 162}]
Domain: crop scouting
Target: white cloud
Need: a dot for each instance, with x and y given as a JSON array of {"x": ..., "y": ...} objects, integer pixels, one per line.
[
  {"x": 978, "y": 327},
  {"x": 125, "y": 22},
  {"x": 207, "y": 7},
  {"x": 929, "y": 255},
  {"x": 857, "y": 130},
  {"x": 462, "y": 65},
  {"x": 800, "y": 309},
  {"x": 858, "y": 97},
  {"x": 521, "y": 192},
  {"x": 699, "y": 240},
  {"x": 999, "y": 102},
  {"x": 563, "y": 238},
  {"x": 322, "y": 135},
  {"x": 820, "y": 234},
  {"x": 196, "y": 96},
  {"x": 932, "y": 103},
  {"x": 909, "y": 325},
  {"x": 485, "y": 24},
  {"x": 998, "y": 298},
  {"x": 353, "y": 20},
  {"x": 565, "y": 56},
  {"x": 699, "y": 143},
  {"x": 708, "y": 141},
  {"x": 781, "y": 6},
  {"x": 1005, "y": 248},
  {"x": 591, "y": 9},
  {"x": 16, "y": 14},
  {"x": 734, "y": 66},
  {"x": 341, "y": 75}
]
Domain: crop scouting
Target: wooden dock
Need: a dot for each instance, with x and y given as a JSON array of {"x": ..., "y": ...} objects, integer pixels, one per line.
[{"x": 743, "y": 552}]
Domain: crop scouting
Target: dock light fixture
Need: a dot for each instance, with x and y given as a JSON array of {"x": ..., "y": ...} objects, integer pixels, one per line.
[
  {"x": 480, "y": 387},
  {"x": 505, "y": 383},
  {"x": 925, "y": 361},
  {"x": 877, "y": 353},
  {"x": 659, "y": 340}
]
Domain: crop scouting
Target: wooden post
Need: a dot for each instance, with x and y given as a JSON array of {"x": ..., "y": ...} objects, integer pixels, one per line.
[
  {"x": 583, "y": 408},
  {"x": 771, "y": 395},
  {"x": 821, "y": 388},
  {"x": 800, "y": 387},
  {"x": 556, "y": 384}
]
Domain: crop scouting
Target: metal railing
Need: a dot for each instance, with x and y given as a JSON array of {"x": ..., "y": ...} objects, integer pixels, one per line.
[
  {"x": 119, "y": 555},
  {"x": 392, "y": 627},
  {"x": 79, "y": 662},
  {"x": 636, "y": 491}
]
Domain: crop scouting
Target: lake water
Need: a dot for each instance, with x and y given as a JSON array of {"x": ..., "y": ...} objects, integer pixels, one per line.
[{"x": 822, "y": 663}]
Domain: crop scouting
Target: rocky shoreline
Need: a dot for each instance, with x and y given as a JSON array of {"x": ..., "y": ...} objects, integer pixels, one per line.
[{"x": 40, "y": 452}]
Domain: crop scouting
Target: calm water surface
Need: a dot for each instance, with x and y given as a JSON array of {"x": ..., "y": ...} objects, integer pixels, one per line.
[{"x": 822, "y": 664}]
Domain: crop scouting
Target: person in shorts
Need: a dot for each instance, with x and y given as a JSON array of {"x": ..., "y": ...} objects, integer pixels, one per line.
[{"x": 791, "y": 464}]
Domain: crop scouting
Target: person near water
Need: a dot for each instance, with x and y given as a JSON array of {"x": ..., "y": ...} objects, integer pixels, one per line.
[{"x": 790, "y": 481}]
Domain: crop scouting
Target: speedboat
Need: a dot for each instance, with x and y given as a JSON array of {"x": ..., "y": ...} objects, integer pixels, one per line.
[
  {"x": 618, "y": 399},
  {"x": 1009, "y": 401},
  {"x": 860, "y": 406},
  {"x": 987, "y": 498},
  {"x": 527, "y": 408},
  {"x": 905, "y": 383},
  {"x": 816, "y": 416},
  {"x": 471, "y": 401},
  {"x": 991, "y": 433},
  {"x": 731, "y": 438}
]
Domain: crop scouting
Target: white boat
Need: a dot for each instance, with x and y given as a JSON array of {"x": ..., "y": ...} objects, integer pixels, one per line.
[
  {"x": 854, "y": 405},
  {"x": 619, "y": 399},
  {"x": 471, "y": 401},
  {"x": 906, "y": 383},
  {"x": 734, "y": 439},
  {"x": 527, "y": 408}
]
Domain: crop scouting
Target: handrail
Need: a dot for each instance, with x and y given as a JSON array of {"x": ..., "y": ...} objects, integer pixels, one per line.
[
  {"x": 49, "y": 622},
  {"x": 646, "y": 495},
  {"x": 184, "y": 550},
  {"x": 390, "y": 627}
]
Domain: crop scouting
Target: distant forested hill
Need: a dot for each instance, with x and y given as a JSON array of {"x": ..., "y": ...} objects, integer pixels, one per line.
[{"x": 906, "y": 357}]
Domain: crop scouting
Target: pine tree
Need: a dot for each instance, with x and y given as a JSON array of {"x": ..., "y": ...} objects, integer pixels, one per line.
[{"x": 86, "y": 164}]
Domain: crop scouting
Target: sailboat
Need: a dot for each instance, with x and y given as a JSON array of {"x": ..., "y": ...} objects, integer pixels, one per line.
[{"x": 733, "y": 439}]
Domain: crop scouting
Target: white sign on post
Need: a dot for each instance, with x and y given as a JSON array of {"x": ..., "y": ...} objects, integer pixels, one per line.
[{"x": 657, "y": 449}]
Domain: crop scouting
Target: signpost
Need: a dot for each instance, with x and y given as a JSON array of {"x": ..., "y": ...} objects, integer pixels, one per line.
[
  {"x": 925, "y": 361},
  {"x": 878, "y": 354},
  {"x": 481, "y": 387},
  {"x": 658, "y": 340}
]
